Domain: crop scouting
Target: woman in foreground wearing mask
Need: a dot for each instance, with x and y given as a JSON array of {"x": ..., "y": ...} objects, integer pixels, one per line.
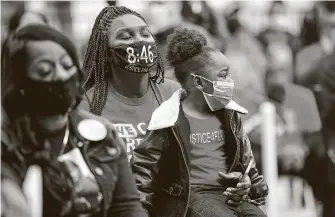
[
  {"x": 84, "y": 167},
  {"x": 192, "y": 159},
  {"x": 125, "y": 81}
]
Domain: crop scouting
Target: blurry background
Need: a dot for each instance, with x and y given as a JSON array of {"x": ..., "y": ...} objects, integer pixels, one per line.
[
  {"x": 279, "y": 51},
  {"x": 76, "y": 18}
]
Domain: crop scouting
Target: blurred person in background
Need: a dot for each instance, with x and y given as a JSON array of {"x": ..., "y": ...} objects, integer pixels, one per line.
[
  {"x": 125, "y": 81},
  {"x": 324, "y": 89},
  {"x": 42, "y": 125},
  {"x": 311, "y": 55},
  {"x": 309, "y": 33},
  {"x": 19, "y": 19},
  {"x": 201, "y": 14},
  {"x": 196, "y": 144},
  {"x": 316, "y": 70},
  {"x": 164, "y": 16},
  {"x": 244, "y": 52},
  {"x": 278, "y": 29},
  {"x": 300, "y": 146}
]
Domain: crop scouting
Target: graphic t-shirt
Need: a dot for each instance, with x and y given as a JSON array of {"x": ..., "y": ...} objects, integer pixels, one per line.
[
  {"x": 208, "y": 157},
  {"x": 131, "y": 116}
]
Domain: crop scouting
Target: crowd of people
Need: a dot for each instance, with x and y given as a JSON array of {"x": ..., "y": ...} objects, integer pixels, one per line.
[{"x": 161, "y": 116}]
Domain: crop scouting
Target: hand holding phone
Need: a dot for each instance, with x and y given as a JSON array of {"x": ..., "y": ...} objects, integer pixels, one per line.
[
  {"x": 241, "y": 184},
  {"x": 245, "y": 172}
]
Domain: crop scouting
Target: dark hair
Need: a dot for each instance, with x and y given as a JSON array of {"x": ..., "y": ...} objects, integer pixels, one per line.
[
  {"x": 16, "y": 64},
  {"x": 184, "y": 44},
  {"x": 95, "y": 62}
]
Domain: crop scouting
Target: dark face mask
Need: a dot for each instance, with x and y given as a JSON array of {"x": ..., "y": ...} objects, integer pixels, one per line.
[
  {"x": 276, "y": 92},
  {"x": 138, "y": 57},
  {"x": 233, "y": 25},
  {"x": 50, "y": 98}
]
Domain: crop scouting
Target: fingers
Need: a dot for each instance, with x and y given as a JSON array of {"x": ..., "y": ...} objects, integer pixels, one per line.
[
  {"x": 244, "y": 185},
  {"x": 227, "y": 194},
  {"x": 235, "y": 197},
  {"x": 240, "y": 192},
  {"x": 257, "y": 202},
  {"x": 261, "y": 201},
  {"x": 234, "y": 203}
]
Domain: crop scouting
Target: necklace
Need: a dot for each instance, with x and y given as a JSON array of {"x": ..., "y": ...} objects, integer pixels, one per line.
[{"x": 65, "y": 139}]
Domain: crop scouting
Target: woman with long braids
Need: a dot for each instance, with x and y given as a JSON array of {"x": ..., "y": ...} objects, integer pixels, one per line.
[
  {"x": 84, "y": 167},
  {"x": 125, "y": 81}
]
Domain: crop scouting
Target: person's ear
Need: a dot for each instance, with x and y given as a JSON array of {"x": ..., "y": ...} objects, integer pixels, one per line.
[{"x": 198, "y": 83}]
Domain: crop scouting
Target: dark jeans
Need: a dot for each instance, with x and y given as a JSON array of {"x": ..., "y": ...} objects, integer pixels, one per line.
[{"x": 210, "y": 202}]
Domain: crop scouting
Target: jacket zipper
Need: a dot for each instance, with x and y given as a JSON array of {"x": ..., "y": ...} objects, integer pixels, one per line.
[{"x": 188, "y": 172}]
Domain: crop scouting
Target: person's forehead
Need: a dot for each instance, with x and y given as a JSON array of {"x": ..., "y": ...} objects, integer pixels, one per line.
[
  {"x": 43, "y": 48},
  {"x": 126, "y": 21},
  {"x": 220, "y": 61}
]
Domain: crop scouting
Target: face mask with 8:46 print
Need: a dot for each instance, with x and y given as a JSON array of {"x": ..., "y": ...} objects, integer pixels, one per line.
[{"x": 138, "y": 57}]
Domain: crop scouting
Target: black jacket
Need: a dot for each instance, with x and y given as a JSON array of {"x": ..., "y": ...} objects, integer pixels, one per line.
[
  {"x": 161, "y": 162},
  {"x": 120, "y": 196}
]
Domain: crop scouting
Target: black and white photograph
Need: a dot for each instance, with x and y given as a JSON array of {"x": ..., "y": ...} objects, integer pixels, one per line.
[{"x": 142, "y": 108}]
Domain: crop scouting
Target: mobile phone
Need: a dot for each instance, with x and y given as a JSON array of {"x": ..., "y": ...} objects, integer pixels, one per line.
[{"x": 246, "y": 171}]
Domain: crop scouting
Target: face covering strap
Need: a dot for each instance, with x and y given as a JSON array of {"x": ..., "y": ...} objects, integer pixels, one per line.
[{"x": 222, "y": 95}]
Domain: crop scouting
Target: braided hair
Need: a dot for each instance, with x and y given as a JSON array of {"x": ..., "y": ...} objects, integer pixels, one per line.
[{"x": 95, "y": 61}]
